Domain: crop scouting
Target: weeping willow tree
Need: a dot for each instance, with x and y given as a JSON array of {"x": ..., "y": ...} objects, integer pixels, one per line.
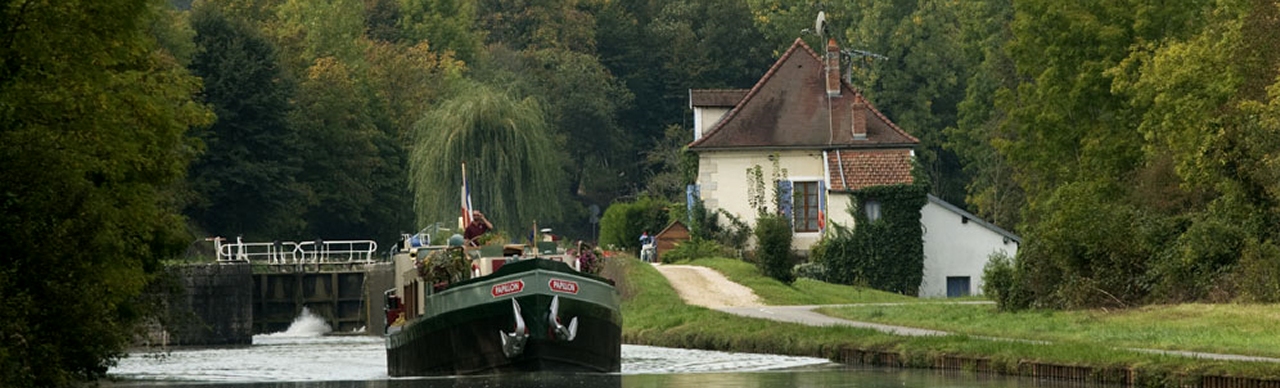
[{"x": 514, "y": 163}]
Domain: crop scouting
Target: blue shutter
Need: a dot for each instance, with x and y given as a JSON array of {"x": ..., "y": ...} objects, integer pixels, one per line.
[
  {"x": 784, "y": 200},
  {"x": 691, "y": 194},
  {"x": 822, "y": 206}
]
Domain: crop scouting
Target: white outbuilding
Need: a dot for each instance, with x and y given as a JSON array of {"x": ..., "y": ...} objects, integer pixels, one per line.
[{"x": 957, "y": 245}]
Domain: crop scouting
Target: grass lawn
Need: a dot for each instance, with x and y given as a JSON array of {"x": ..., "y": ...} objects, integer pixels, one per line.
[
  {"x": 653, "y": 314},
  {"x": 1216, "y": 328},
  {"x": 803, "y": 292}
]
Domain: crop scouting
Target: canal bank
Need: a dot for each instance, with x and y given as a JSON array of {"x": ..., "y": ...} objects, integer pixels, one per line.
[{"x": 656, "y": 315}]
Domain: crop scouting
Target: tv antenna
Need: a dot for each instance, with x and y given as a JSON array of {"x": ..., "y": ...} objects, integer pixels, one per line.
[
  {"x": 819, "y": 26},
  {"x": 848, "y": 55}
]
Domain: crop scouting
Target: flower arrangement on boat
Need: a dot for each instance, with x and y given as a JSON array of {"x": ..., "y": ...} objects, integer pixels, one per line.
[
  {"x": 444, "y": 266},
  {"x": 588, "y": 257}
]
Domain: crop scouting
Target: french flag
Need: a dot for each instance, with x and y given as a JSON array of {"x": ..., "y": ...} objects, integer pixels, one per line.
[{"x": 466, "y": 198}]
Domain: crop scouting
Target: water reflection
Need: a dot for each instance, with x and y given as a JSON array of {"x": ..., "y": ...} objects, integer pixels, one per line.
[
  {"x": 308, "y": 359},
  {"x": 809, "y": 377},
  {"x": 274, "y": 358},
  {"x": 493, "y": 381}
]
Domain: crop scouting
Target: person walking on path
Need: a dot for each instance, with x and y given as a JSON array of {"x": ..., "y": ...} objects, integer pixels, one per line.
[{"x": 647, "y": 249}]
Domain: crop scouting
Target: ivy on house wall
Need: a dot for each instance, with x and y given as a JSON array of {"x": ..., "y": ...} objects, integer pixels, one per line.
[
  {"x": 773, "y": 229},
  {"x": 886, "y": 253}
]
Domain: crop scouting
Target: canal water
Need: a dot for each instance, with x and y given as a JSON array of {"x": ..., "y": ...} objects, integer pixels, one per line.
[{"x": 308, "y": 355}]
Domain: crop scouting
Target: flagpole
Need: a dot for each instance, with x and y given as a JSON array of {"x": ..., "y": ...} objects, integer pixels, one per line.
[{"x": 465, "y": 220}]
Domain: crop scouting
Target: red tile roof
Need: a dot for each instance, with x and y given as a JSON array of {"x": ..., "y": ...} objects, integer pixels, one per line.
[
  {"x": 868, "y": 167},
  {"x": 789, "y": 109}
]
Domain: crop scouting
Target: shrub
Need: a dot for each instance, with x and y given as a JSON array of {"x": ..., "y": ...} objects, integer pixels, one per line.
[
  {"x": 1000, "y": 283},
  {"x": 1196, "y": 260},
  {"x": 1088, "y": 249},
  {"x": 773, "y": 247},
  {"x": 695, "y": 249},
  {"x": 623, "y": 222},
  {"x": 1257, "y": 277},
  {"x": 811, "y": 270},
  {"x": 735, "y": 234}
]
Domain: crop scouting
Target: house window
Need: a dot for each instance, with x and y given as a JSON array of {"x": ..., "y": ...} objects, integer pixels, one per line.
[
  {"x": 957, "y": 286},
  {"x": 872, "y": 208},
  {"x": 805, "y": 206}
]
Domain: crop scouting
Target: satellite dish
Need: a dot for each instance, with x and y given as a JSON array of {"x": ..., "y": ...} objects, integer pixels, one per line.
[{"x": 819, "y": 23}]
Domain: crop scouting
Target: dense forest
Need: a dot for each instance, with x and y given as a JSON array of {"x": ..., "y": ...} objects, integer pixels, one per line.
[{"x": 1135, "y": 145}]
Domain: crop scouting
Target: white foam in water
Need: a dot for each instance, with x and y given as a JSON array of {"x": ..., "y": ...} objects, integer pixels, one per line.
[
  {"x": 300, "y": 353},
  {"x": 307, "y": 324}
]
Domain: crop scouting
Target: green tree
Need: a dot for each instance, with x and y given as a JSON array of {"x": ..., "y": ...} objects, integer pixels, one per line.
[
  {"x": 661, "y": 49},
  {"x": 244, "y": 182},
  {"x": 447, "y": 24},
  {"x": 581, "y": 100},
  {"x": 670, "y": 166},
  {"x": 782, "y": 21},
  {"x": 916, "y": 75},
  {"x": 623, "y": 222},
  {"x": 1208, "y": 100},
  {"x": 307, "y": 31},
  {"x": 991, "y": 192},
  {"x": 402, "y": 83},
  {"x": 407, "y": 81},
  {"x": 1096, "y": 233},
  {"x": 514, "y": 163},
  {"x": 380, "y": 20},
  {"x": 253, "y": 12},
  {"x": 339, "y": 142},
  {"x": 1066, "y": 110},
  {"x": 172, "y": 31},
  {"x": 523, "y": 24},
  {"x": 93, "y": 116}
]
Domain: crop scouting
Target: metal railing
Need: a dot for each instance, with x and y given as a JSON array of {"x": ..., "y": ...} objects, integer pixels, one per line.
[{"x": 289, "y": 252}]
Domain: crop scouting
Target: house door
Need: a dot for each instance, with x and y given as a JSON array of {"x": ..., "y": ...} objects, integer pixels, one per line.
[{"x": 957, "y": 286}]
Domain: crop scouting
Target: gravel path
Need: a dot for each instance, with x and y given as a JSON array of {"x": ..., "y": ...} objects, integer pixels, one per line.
[
  {"x": 806, "y": 316},
  {"x": 702, "y": 286}
]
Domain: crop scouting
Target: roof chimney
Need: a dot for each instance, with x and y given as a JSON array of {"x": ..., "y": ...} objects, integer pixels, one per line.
[
  {"x": 859, "y": 110},
  {"x": 833, "y": 68}
]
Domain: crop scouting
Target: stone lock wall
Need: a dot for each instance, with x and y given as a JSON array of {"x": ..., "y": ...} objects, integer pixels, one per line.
[{"x": 210, "y": 304}]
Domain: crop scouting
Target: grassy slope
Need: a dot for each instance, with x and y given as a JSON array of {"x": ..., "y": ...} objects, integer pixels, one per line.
[
  {"x": 802, "y": 292},
  {"x": 1233, "y": 329},
  {"x": 655, "y": 315}
]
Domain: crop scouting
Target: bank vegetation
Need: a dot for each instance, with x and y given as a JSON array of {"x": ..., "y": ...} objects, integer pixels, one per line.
[{"x": 655, "y": 315}]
